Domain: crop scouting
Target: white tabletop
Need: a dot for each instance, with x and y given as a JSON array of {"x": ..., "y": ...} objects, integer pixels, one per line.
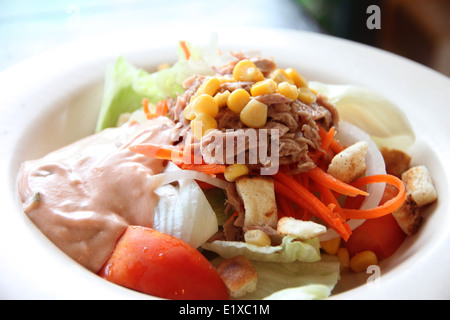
[{"x": 30, "y": 27}]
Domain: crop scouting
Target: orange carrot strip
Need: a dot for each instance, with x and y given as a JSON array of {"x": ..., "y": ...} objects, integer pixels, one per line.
[
  {"x": 161, "y": 108},
  {"x": 174, "y": 154},
  {"x": 325, "y": 179},
  {"x": 185, "y": 49},
  {"x": 206, "y": 168},
  {"x": 383, "y": 209},
  {"x": 288, "y": 187}
]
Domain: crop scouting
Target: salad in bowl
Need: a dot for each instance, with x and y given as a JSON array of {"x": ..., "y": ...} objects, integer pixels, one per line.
[{"x": 227, "y": 176}]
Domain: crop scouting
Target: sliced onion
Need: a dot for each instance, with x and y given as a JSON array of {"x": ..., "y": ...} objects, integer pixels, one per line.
[
  {"x": 349, "y": 134},
  {"x": 171, "y": 174}
]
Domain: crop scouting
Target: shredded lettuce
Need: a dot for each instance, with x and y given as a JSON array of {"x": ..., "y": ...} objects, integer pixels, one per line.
[
  {"x": 295, "y": 280},
  {"x": 126, "y": 85},
  {"x": 385, "y": 122},
  {"x": 289, "y": 250}
]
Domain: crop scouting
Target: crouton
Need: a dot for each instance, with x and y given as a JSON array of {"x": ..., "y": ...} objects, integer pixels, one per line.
[
  {"x": 420, "y": 192},
  {"x": 419, "y": 185},
  {"x": 258, "y": 196},
  {"x": 396, "y": 161},
  {"x": 239, "y": 275},
  {"x": 350, "y": 163},
  {"x": 300, "y": 229},
  {"x": 408, "y": 216}
]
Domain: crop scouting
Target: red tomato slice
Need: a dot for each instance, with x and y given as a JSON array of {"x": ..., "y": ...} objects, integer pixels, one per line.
[
  {"x": 158, "y": 264},
  {"x": 381, "y": 235}
]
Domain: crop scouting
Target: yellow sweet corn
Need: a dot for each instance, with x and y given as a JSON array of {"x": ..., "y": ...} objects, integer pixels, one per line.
[
  {"x": 361, "y": 261},
  {"x": 254, "y": 114},
  {"x": 204, "y": 103},
  {"x": 288, "y": 90},
  {"x": 234, "y": 171},
  {"x": 237, "y": 100},
  {"x": 257, "y": 237},
  {"x": 245, "y": 70},
  {"x": 266, "y": 86},
  {"x": 201, "y": 124},
  {"x": 331, "y": 246},
  {"x": 298, "y": 79},
  {"x": 188, "y": 112},
  {"x": 209, "y": 86},
  {"x": 280, "y": 75},
  {"x": 305, "y": 95},
  {"x": 222, "y": 98},
  {"x": 344, "y": 259}
]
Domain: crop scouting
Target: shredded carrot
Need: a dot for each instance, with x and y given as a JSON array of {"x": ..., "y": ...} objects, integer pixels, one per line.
[
  {"x": 336, "y": 146},
  {"x": 325, "y": 179},
  {"x": 185, "y": 49},
  {"x": 161, "y": 108},
  {"x": 330, "y": 200},
  {"x": 327, "y": 137},
  {"x": 287, "y": 186},
  {"x": 212, "y": 169},
  {"x": 383, "y": 209},
  {"x": 175, "y": 154},
  {"x": 286, "y": 206}
]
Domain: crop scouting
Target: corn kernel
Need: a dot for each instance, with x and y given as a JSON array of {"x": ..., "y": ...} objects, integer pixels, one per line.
[
  {"x": 188, "y": 112},
  {"x": 204, "y": 103},
  {"x": 237, "y": 100},
  {"x": 361, "y": 261},
  {"x": 344, "y": 259},
  {"x": 331, "y": 246},
  {"x": 305, "y": 95},
  {"x": 254, "y": 114},
  {"x": 222, "y": 98},
  {"x": 280, "y": 75},
  {"x": 298, "y": 79},
  {"x": 225, "y": 79},
  {"x": 245, "y": 70},
  {"x": 209, "y": 86},
  {"x": 201, "y": 124},
  {"x": 267, "y": 86},
  {"x": 288, "y": 90},
  {"x": 234, "y": 171},
  {"x": 257, "y": 237}
]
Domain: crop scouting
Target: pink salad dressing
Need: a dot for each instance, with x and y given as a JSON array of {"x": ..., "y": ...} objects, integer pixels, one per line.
[{"x": 84, "y": 195}]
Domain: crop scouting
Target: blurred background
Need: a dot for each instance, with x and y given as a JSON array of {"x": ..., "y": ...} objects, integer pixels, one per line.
[{"x": 416, "y": 29}]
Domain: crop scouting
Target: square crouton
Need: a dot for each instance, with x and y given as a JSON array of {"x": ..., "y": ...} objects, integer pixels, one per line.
[
  {"x": 419, "y": 185},
  {"x": 408, "y": 217},
  {"x": 396, "y": 161},
  {"x": 420, "y": 192},
  {"x": 239, "y": 275},
  {"x": 350, "y": 163},
  {"x": 258, "y": 196},
  {"x": 300, "y": 229}
]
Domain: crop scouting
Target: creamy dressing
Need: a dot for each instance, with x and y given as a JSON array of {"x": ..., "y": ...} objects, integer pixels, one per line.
[{"x": 84, "y": 195}]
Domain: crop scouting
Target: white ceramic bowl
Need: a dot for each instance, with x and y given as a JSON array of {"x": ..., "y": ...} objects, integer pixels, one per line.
[{"x": 54, "y": 98}]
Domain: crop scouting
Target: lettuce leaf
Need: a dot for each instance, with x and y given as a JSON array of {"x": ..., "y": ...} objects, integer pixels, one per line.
[
  {"x": 289, "y": 250},
  {"x": 126, "y": 85},
  {"x": 385, "y": 122},
  {"x": 295, "y": 280},
  {"x": 184, "y": 212}
]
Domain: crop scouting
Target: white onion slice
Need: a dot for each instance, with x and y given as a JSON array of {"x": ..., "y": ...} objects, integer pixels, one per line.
[
  {"x": 348, "y": 134},
  {"x": 172, "y": 176}
]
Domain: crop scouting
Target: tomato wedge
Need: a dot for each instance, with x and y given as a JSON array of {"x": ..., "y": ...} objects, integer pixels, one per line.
[{"x": 158, "y": 264}]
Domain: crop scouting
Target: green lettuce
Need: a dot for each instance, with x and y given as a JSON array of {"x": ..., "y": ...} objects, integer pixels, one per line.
[
  {"x": 289, "y": 250},
  {"x": 385, "y": 122},
  {"x": 126, "y": 85},
  {"x": 295, "y": 280}
]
